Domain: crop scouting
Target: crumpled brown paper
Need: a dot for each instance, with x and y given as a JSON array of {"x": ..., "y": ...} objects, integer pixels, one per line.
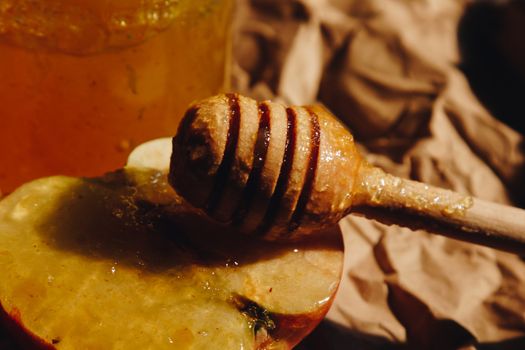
[{"x": 389, "y": 70}]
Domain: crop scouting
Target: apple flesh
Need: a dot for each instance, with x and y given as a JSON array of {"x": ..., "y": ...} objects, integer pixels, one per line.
[{"x": 118, "y": 262}]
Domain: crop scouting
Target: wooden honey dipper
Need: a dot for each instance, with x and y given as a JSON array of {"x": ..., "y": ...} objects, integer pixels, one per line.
[{"x": 283, "y": 172}]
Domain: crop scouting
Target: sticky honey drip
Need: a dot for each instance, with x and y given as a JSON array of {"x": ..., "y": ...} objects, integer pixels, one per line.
[{"x": 377, "y": 188}]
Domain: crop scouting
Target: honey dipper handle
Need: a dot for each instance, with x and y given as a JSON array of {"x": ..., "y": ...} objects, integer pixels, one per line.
[{"x": 393, "y": 200}]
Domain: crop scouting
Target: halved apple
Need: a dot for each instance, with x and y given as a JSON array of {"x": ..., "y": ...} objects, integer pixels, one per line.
[{"x": 119, "y": 263}]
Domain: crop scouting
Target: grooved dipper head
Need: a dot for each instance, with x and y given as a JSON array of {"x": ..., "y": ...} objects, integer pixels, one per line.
[{"x": 266, "y": 169}]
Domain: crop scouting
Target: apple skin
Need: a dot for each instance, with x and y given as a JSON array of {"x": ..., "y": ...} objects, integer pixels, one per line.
[
  {"x": 18, "y": 334},
  {"x": 294, "y": 328},
  {"x": 290, "y": 330}
]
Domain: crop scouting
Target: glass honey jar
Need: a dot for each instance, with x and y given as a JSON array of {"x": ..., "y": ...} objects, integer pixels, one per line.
[{"x": 84, "y": 81}]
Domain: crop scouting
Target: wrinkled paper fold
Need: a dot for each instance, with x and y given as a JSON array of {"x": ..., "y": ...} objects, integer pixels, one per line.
[{"x": 388, "y": 69}]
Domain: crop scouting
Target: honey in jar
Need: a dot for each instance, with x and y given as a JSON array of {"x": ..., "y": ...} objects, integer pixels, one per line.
[{"x": 84, "y": 81}]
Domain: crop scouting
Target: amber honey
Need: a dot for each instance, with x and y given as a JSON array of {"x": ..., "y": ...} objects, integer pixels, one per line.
[{"x": 84, "y": 81}]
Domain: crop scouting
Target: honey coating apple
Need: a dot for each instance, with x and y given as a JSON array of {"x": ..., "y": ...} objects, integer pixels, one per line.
[{"x": 118, "y": 263}]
